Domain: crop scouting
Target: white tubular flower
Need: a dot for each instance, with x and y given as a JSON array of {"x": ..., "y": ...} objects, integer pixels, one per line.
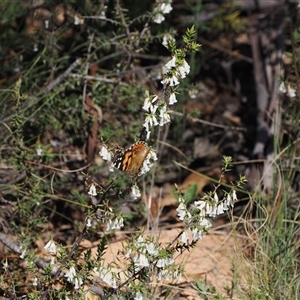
[
  {"x": 111, "y": 168},
  {"x": 216, "y": 198},
  {"x": 140, "y": 240},
  {"x": 119, "y": 223},
  {"x": 220, "y": 209},
  {"x": 77, "y": 283},
  {"x": 35, "y": 281},
  {"x": 291, "y": 92},
  {"x": 287, "y": 89},
  {"x": 51, "y": 247},
  {"x": 172, "y": 80},
  {"x": 213, "y": 211},
  {"x": 184, "y": 69},
  {"x": 197, "y": 234},
  {"x": 22, "y": 255},
  {"x": 164, "y": 116},
  {"x": 200, "y": 204},
  {"x": 150, "y": 121},
  {"x": 108, "y": 278},
  {"x": 184, "y": 237},
  {"x": 52, "y": 261},
  {"x": 151, "y": 249},
  {"x": 109, "y": 225},
  {"x": 167, "y": 37},
  {"x": 282, "y": 87},
  {"x": 161, "y": 263},
  {"x": 148, "y": 134},
  {"x": 170, "y": 64},
  {"x": 234, "y": 197},
  {"x": 135, "y": 192},
  {"x": 181, "y": 209},
  {"x": 138, "y": 296},
  {"x": 172, "y": 99},
  {"x": 70, "y": 274},
  {"x": 169, "y": 260},
  {"x": 147, "y": 164},
  {"x": 177, "y": 275},
  {"x": 92, "y": 191},
  {"x": 148, "y": 103},
  {"x": 88, "y": 222},
  {"x": 39, "y": 150},
  {"x": 159, "y": 18},
  {"x": 143, "y": 261},
  {"x": 105, "y": 154},
  {"x": 160, "y": 10},
  {"x": 227, "y": 202},
  {"x": 166, "y": 7},
  {"x": 205, "y": 223},
  {"x": 162, "y": 275},
  {"x": 152, "y": 155}
]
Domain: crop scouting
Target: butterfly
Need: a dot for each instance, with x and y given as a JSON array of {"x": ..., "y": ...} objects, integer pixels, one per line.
[{"x": 132, "y": 159}]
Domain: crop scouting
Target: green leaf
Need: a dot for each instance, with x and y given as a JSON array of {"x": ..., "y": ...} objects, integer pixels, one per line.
[{"x": 190, "y": 194}]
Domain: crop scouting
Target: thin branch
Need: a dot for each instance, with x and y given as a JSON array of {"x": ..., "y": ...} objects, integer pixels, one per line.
[
  {"x": 62, "y": 77},
  {"x": 225, "y": 50},
  {"x": 196, "y": 120}
]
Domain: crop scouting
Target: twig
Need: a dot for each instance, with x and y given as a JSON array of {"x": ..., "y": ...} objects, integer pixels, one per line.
[
  {"x": 208, "y": 123},
  {"x": 225, "y": 50},
  {"x": 62, "y": 77}
]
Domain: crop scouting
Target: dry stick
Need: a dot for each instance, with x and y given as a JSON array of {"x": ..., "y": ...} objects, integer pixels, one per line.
[
  {"x": 225, "y": 50},
  {"x": 62, "y": 77},
  {"x": 207, "y": 122}
]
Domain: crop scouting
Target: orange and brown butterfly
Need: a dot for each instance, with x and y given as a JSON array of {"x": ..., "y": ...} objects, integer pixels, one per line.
[{"x": 131, "y": 160}]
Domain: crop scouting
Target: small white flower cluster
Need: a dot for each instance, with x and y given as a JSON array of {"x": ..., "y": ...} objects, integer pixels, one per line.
[
  {"x": 148, "y": 162},
  {"x": 166, "y": 38},
  {"x": 105, "y": 153},
  {"x": 73, "y": 278},
  {"x": 287, "y": 90},
  {"x": 174, "y": 70},
  {"x": 135, "y": 192},
  {"x": 92, "y": 191},
  {"x": 198, "y": 217},
  {"x": 116, "y": 223},
  {"x": 51, "y": 247},
  {"x": 108, "y": 277},
  {"x": 163, "y": 7},
  {"x": 156, "y": 111},
  {"x": 147, "y": 254},
  {"x": 172, "y": 273}
]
